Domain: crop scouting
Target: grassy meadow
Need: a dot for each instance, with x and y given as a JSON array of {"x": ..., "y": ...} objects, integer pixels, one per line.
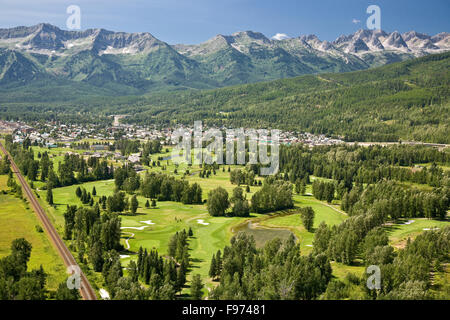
[
  {"x": 18, "y": 220},
  {"x": 153, "y": 227}
]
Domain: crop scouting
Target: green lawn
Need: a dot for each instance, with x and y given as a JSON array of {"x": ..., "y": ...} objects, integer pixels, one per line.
[
  {"x": 341, "y": 270},
  {"x": 17, "y": 220},
  {"x": 66, "y": 196},
  {"x": 220, "y": 179},
  {"x": 444, "y": 166},
  {"x": 400, "y": 232},
  {"x": 293, "y": 222},
  {"x": 170, "y": 217}
]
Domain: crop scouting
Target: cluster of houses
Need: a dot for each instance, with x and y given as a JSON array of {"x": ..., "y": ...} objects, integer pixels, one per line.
[
  {"x": 52, "y": 134},
  {"x": 317, "y": 140},
  {"x": 285, "y": 137},
  {"x": 8, "y": 126}
]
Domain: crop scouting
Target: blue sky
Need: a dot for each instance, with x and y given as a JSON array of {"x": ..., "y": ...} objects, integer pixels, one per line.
[{"x": 195, "y": 21}]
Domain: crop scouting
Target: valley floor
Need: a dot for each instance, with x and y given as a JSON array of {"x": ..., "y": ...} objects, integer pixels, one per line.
[{"x": 18, "y": 220}]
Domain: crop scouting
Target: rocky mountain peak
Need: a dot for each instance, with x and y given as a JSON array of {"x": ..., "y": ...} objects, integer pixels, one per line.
[
  {"x": 357, "y": 45},
  {"x": 395, "y": 40},
  {"x": 248, "y": 37},
  {"x": 46, "y": 36},
  {"x": 243, "y": 57},
  {"x": 407, "y": 36}
]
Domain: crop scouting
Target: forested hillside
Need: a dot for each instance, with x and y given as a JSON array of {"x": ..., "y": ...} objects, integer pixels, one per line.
[{"x": 407, "y": 100}]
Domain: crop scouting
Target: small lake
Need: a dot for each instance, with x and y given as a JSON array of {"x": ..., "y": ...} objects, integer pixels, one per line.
[{"x": 262, "y": 235}]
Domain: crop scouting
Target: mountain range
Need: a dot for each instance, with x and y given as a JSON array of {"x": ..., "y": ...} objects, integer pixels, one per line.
[{"x": 135, "y": 63}]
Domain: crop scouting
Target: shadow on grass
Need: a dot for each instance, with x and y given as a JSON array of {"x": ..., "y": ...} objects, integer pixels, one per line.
[
  {"x": 391, "y": 228},
  {"x": 128, "y": 252},
  {"x": 197, "y": 260},
  {"x": 357, "y": 263},
  {"x": 132, "y": 215},
  {"x": 184, "y": 296}
]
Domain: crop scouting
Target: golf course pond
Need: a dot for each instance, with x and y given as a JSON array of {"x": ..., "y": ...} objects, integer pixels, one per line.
[{"x": 263, "y": 234}]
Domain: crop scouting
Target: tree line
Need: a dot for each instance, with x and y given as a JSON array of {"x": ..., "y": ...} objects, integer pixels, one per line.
[
  {"x": 278, "y": 271},
  {"x": 17, "y": 283}
]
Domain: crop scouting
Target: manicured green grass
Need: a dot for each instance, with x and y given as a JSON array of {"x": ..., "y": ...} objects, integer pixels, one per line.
[
  {"x": 220, "y": 179},
  {"x": 398, "y": 235},
  {"x": 293, "y": 222},
  {"x": 444, "y": 166},
  {"x": 55, "y": 154},
  {"x": 17, "y": 220},
  {"x": 341, "y": 270},
  {"x": 400, "y": 232},
  {"x": 169, "y": 217},
  {"x": 66, "y": 196}
]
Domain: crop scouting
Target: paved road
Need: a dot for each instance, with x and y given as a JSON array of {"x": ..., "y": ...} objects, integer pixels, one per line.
[{"x": 86, "y": 290}]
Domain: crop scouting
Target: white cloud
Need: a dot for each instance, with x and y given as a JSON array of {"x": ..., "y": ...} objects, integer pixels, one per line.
[
  {"x": 280, "y": 36},
  {"x": 356, "y": 21}
]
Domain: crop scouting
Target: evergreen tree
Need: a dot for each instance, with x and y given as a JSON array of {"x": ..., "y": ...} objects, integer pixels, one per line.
[
  {"x": 78, "y": 192},
  {"x": 134, "y": 204},
  {"x": 196, "y": 287},
  {"x": 96, "y": 257},
  {"x": 133, "y": 271},
  {"x": 181, "y": 279},
  {"x": 49, "y": 197},
  {"x": 322, "y": 238},
  {"x": 307, "y": 215},
  {"x": 213, "y": 267}
]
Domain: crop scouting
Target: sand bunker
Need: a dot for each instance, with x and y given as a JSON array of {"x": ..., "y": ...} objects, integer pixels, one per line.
[
  {"x": 135, "y": 228},
  {"x": 409, "y": 221},
  {"x": 309, "y": 245},
  {"x": 124, "y": 256},
  {"x": 201, "y": 221},
  {"x": 428, "y": 229},
  {"x": 147, "y": 222}
]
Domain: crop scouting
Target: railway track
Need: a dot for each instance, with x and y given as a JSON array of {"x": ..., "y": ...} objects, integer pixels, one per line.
[{"x": 86, "y": 290}]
